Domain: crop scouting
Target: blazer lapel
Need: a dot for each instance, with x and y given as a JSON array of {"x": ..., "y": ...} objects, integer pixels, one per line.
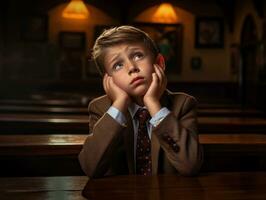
[
  {"x": 155, "y": 145},
  {"x": 129, "y": 144}
]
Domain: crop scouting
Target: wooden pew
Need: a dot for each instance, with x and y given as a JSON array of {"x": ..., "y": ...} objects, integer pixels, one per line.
[
  {"x": 78, "y": 124},
  {"x": 43, "y": 124},
  {"x": 31, "y": 155},
  {"x": 83, "y": 110},
  {"x": 232, "y": 125},
  {"x": 72, "y": 104},
  {"x": 230, "y": 112},
  {"x": 38, "y": 109},
  {"x": 58, "y": 144}
]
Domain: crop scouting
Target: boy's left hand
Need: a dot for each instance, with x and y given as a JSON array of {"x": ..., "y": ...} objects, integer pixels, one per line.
[{"x": 152, "y": 97}]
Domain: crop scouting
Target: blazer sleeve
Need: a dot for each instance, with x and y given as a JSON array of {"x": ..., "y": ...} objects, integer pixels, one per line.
[
  {"x": 177, "y": 135},
  {"x": 101, "y": 142}
]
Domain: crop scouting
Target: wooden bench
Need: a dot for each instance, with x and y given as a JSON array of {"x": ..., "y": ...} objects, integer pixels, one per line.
[
  {"x": 43, "y": 124},
  {"x": 83, "y": 110},
  {"x": 69, "y": 124},
  {"x": 232, "y": 125},
  {"x": 230, "y": 112},
  {"x": 57, "y": 154},
  {"x": 13, "y": 145}
]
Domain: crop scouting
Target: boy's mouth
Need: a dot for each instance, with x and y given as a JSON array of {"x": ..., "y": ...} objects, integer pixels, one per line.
[{"x": 136, "y": 79}]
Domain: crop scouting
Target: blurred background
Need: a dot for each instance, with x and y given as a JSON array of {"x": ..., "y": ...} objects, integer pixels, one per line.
[{"x": 215, "y": 49}]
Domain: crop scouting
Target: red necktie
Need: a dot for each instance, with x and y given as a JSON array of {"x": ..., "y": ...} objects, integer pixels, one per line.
[{"x": 143, "y": 150}]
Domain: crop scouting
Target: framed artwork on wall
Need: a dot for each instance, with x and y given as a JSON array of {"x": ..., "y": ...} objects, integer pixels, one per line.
[
  {"x": 209, "y": 32},
  {"x": 73, "y": 56},
  {"x": 168, "y": 38},
  {"x": 72, "y": 40},
  {"x": 35, "y": 28}
]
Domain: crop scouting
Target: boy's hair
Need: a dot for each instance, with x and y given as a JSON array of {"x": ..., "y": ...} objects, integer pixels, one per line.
[{"x": 120, "y": 35}]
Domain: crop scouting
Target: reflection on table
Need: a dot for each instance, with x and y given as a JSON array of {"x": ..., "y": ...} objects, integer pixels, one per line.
[{"x": 213, "y": 186}]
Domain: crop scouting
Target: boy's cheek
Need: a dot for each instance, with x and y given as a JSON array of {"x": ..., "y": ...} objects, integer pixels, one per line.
[{"x": 119, "y": 84}]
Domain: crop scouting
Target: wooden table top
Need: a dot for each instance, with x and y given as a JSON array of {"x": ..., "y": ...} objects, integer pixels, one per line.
[{"x": 218, "y": 186}]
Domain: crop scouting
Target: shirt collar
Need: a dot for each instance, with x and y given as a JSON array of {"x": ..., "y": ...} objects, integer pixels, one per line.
[{"x": 133, "y": 108}]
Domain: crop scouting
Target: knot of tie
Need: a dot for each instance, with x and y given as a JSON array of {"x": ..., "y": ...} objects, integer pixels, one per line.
[{"x": 142, "y": 115}]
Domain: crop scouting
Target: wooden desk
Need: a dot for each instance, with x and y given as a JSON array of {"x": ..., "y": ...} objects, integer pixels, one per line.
[
  {"x": 218, "y": 186},
  {"x": 42, "y": 188}
]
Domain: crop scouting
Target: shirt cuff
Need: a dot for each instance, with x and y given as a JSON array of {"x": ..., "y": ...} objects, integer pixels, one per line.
[
  {"x": 117, "y": 115},
  {"x": 159, "y": 116}
]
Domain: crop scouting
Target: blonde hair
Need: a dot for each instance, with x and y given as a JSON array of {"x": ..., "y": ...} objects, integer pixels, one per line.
[{"x": 120, "y": 35}]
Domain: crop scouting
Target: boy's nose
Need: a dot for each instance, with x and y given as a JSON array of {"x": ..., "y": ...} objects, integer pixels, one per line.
[{"x": 133, "y": 69}]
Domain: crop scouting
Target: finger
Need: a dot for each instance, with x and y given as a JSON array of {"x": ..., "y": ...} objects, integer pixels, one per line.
[
  {"x": 155, "y": 79},
  {"x": 164, "y": 78},
  {"x": 160, "y": 69},
  {"x": 159, "y": 74}
]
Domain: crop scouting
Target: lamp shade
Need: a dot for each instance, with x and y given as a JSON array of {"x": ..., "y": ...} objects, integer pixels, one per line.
[
  {"x": 165, "y": 13},
  {"x": 76, "y": 9}
]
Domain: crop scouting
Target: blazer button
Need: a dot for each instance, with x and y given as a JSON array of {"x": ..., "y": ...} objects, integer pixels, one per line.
[{"x": 175, "y": 148}]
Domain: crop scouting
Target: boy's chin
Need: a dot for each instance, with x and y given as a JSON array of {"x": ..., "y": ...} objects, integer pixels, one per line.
[{"x": 139, "y": 92}]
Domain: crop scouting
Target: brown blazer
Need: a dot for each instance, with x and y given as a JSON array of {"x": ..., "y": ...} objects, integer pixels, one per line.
[{"x": 109, "y": 147}]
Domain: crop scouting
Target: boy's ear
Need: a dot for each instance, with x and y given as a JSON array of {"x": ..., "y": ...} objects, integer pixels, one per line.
[{"x": 160, "y": 61}]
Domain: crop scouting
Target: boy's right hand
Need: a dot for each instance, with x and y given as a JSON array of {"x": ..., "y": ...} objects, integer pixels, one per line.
[{"x": 119, "y": 97}]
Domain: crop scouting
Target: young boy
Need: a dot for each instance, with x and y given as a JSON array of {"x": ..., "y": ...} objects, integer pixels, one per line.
[{"x": 138, "y": 127}]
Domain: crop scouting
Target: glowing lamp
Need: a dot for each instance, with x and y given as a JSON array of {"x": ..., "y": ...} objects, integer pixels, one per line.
[
  {"x": 165, "y": 13},
  {"x": 76, "y": 9}
]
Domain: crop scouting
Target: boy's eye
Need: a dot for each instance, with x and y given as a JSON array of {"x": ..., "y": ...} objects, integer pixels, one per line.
[
  {"x": 117, "y": 66},
  {"x": 138, "y": 56}
]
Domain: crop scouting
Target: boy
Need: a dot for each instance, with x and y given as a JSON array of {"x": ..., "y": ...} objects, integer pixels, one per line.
[{"x": 123, "y": 138}]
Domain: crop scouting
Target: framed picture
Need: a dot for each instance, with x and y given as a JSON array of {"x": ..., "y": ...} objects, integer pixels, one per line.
[
  {"x": 35, "y": 28},
  {"x": 72, "y": 40},
  {"x": 209, "y": 32},
  {"x": 168, "y": 38}
]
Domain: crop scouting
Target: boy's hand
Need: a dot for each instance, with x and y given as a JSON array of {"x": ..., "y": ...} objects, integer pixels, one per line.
[
  {"x": 152, "y": 97},
  {"x": 119, "y": 97}
]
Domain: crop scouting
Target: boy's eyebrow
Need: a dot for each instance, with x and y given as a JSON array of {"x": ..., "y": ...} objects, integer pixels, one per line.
[
  {"x": 114, "y": 57},
  {"x": 134, "y": 48}
]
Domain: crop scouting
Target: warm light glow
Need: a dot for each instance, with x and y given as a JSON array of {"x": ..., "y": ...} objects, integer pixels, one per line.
[
  {"x": 165, "y": 13},
  {"x": 76, "y": 9}
]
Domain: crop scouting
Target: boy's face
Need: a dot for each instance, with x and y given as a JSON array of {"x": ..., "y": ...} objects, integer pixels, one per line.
[{"x": 131, "y": 67}]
